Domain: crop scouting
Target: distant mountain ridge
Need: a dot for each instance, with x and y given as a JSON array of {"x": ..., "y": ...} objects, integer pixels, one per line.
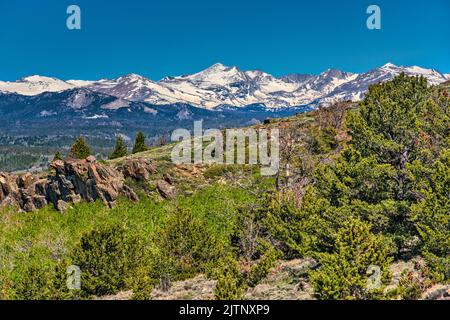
[
  {"x": 84, "y": 111},
  {"x": 221, "y": 85}
]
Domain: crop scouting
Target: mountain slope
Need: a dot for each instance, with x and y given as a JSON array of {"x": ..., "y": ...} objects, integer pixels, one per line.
[
  {"x": 81, "y": 110},
  {"x": 354, "y": 90},
  {"x": 34, "y": 85},
  {"x": 221, "y": 85}
]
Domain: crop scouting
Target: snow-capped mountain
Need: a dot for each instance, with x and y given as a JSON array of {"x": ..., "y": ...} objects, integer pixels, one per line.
[
  {"x": 221, "y": 85},
  {"x": 355, "y": 89},
  {"x": 34, "y": 85},
  {"x": 84, "y": 111},
  {"x": 297, "y": 77},
  {"x": 131, "y": 87}
]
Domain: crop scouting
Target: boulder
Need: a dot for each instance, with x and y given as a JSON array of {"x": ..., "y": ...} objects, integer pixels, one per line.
[
  {"x": 138, "y": 169},
  {"x": 8, "y": 185},
  {"x": 58, "y": 166},
  {"x": 91, "y": 159},
  {"x": 437, "y": 292},
  {"x": 62, "y": 206},
  {"x": 166, "y": 190},
  {"x": 25, "y": 180}
]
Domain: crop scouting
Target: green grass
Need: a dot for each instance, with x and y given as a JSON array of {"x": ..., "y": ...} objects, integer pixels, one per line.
[{"x": 45, "y": 237}]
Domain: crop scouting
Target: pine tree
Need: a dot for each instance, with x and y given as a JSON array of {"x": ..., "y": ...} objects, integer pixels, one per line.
[
  {"x": 108, "y": 257},
  {"x": 357, "y": 268},
  {"x": 80, "y": 149},
  {"x": 397, "y": 130},
  {"x": 432, "y": 218},
  {"x": 57, "y": 156},
  {"x": 120, "y": 150},
  {"x": 139, "y": 145},
  {"x": 390, "y": 121},
  {"x": 230, "y": 282}
]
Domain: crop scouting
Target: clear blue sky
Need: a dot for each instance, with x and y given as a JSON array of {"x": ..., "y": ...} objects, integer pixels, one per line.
[{"x": 157, "y": 38}]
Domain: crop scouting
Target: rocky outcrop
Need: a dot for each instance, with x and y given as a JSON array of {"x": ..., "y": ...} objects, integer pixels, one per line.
[
  {"x": 288, "y": 280},
  {"x": 71, "y": 182},
  {"x": 26, "y": 191},
  {"x": 138, "y": 169},
  {"x": 166, "y": 189},
  {"x": 437, "y": 292},
  {"x": 198, "y": 288}
]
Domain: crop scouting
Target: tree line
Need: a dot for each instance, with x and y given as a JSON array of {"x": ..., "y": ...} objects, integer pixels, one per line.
[{"x": 81, "y": 150}]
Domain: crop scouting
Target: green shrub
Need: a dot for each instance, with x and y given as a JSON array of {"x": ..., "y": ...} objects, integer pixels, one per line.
[
  {"x": 431, "y": 216},
  {"x": 142, "y": 284},
  {"x": 34, "y": 282},
  {"x": 230, "y": 281},
  {"x": 299, "y": 231},
  {"x": 439, "y": 266},
  {"x": 57, "y": 156},
  {"x": 234, "y": 279},
  {"x": 108, "y": 258},
  {"x": 261, "y": 269},
  {"x": 184, "y": 247}
]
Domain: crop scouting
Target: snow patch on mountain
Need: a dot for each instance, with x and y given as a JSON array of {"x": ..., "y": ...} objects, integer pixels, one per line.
[
  {"x": 355, "y": 89},
  {"x": 46, "y": 113},
  {"x": 150, "y": 111},
  {"x": 35, "y": 85},
  {"x": 96, "y": 116},
  {"x": 116, "y": 104},
  {"x": 79, "y": 100},
  {"x": 80, "y": 83}
]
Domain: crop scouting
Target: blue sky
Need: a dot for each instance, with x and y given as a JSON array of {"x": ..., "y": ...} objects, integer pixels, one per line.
[{"x": 157, "y": 38}]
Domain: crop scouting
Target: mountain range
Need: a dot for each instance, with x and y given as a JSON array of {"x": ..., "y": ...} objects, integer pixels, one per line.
[
  {"x": 221, "y": 85},
  {"x": 41, "y": 115}
]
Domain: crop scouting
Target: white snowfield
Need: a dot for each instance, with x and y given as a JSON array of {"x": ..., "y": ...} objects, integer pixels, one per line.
[
  {"x": 220, "y": 85},
  {"x": 34, "y": 85}
]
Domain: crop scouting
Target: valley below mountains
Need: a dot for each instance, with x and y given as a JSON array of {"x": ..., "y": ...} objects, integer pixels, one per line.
[{"x": 41, "y": 114}]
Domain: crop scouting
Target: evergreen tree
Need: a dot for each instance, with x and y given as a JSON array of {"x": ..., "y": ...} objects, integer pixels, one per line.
[
  {"x": 390, "y": 119},
  {"x": 120, "y": 150},
  {"x": 397, "y": 133},
  {"x": 80, "y": 149},
  {"x": 139, "y": 144},
  {"x": 389, "y": 126},
  {"x": 230, "y": 281},
  {"x": 57, "y": 156},
  {"x": 432, "y": 218},
  {"x": 108, "y": 257},
  {"x": 346, "y": 272}
]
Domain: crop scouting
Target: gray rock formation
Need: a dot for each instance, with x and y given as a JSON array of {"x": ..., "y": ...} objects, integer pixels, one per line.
[{"x": 73, "y": 181}]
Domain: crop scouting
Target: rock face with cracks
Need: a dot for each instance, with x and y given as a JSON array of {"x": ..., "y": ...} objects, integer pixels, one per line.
[{"x": 73, "y": 181}]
